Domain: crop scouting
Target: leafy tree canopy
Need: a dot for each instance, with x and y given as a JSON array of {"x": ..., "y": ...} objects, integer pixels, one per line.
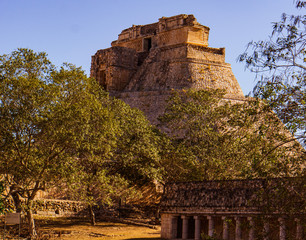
[
  {"x": 215, "y": 138},
  {"x": 279, "y": 64},
  {"x": 132, "y": 159},
  {"x": 44, "y": 120},
  {"x": 58, "y": 124}
]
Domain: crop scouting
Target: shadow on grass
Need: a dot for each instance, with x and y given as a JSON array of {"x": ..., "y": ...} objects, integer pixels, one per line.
[
  {"x": 66, "y": 222},
  {"x": 144, "y": 238},
  {"x": 67, "y": 225}
]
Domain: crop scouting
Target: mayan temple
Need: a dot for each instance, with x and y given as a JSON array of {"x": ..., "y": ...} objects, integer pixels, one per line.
[
  {"x": 143, "y": 66},
  {"x": 148, "y": 61}
]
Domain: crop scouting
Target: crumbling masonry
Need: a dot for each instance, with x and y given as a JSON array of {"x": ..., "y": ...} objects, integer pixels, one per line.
[
  {"x": 148, "y": 61},
  {"x": 233, "y": 209},
  {"x": 142, "y": 68}
]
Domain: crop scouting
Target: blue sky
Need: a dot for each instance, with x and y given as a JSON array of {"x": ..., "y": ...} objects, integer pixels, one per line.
[{"x": 73, "y": 30}]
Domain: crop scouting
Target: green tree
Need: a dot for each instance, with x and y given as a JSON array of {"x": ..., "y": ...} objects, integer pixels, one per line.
[
  {"x": 137, "y": 152},
  {"x": 279, "y": 64},
  {"x": 58, "y": 125},
  {"x": 129, "y": 156},
  {"x": 98, "y": 128},
  {"x": 95, "y": 186},
  {"x": 46, "y": 118},
  {"x": 23, "y": 98},
  {"x": 214, "y": 138}
]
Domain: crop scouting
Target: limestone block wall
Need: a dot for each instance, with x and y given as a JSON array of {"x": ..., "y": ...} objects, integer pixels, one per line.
[
  {"x": 166, "y": 69},
  {"x": 118, "y": 78},
  {"x": 189, "y": 34},
  {"x": 154, "y": 59},
  {"x": 52, "y": 207},
  {"x": 168, "y": 228},
  {"x": 172, "y": 37},
  {"x": 149, "y": 29},
  {"x": 152, "y": 103},
  {"x": 196, "y": 34},
  {"x": 158, "y": 74},
  {"x": 167, "y": 31},
  {"x": 234, "y": 209},
  {"x": 192, "y": 35},
  {"x": 136, "y": 44},
  {"x": 211, "y": 195},
  {"x": 210, "y": 75},
  {"x": 232, "y": 195},
  {"x": 216, "y": 55},
  {"x": 184, "y": 66},
  {"x": 113, "y": 67},
  {"x": 171, "y": 53}
]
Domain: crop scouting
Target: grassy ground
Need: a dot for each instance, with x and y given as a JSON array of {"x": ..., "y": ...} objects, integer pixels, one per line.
[{"x": 76, "y": 229}]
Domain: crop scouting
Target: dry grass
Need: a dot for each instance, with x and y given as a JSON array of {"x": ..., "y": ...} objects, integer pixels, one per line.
[
  {"x": 79, "y": 229},
  {"x": 67, "y": 229}
]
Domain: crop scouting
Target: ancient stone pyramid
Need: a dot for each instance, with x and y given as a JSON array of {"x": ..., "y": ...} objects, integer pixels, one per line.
[{"x": 148, "y": 61}]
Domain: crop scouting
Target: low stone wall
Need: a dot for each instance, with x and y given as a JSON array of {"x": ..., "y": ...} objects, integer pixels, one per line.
[
  {"x": 51, "y": 207},
  {"x": 55, "y": 208},
  {"x": 256, "y": 195},
  {"x": 234, "y": 209}
]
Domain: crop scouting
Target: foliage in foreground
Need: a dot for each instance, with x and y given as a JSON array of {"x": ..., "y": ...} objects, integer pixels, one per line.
[
  {"x": 279, "y": 64},
  {"x": 58, "y": 125},
  {"x": 132, "y": 160},
  {"x": 214, "y": 138}
]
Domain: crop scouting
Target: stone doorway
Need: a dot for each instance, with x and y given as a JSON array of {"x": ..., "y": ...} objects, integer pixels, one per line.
[{"x": 147, "y": 44}]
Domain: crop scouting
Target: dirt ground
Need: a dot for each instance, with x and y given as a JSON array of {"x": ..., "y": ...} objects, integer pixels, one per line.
[{"x": 78, "y": 229}]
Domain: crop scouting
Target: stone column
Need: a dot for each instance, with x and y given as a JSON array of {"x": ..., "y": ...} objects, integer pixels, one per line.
[
  {"x": 197, "y": 232},
  {"x": 251, "y": 228},
  {"x": 238, "y": 228},
  {"x": 266, "y": 229},
  {"x": 173, "y": 227},
  {"x": 225, "y": 234},
  {"x": 211, "y": 226},
  {"x": 185, "y": 227},
  {"x": 282, "y": 228},
  {"x": 299, "y": 229}
]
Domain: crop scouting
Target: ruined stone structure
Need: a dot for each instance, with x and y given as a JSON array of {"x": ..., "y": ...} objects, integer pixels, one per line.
[
  {"x": 148, "y": 61},
  {"x": 142, "y": 67},
  {"x": 236, "y": 209},
  {"x": 53, "y": 207}
]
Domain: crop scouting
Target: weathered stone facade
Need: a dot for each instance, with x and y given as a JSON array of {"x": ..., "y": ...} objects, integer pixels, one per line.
[
  {"x": 142, "y": 68},
  {"x": 236, "y": 209},
  {"x": 147, "y": 62},
  {"x": 53, "y": 207}
]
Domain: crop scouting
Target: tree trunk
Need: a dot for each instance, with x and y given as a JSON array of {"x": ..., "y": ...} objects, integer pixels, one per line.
[
  {"x": 32, "y": 231},
  {"x": 17, "y": 202},
  {"x": 92, "y": 215}
]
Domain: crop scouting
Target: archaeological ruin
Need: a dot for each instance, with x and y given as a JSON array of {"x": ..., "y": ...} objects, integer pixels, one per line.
[
  {"x": 233, "y": 209},
  {"x": 148, "y": 61},
  {"x": 142, "y": 67}
]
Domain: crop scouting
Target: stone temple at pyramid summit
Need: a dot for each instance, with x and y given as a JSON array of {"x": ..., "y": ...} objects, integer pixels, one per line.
[{"x": 147, "y": 62}]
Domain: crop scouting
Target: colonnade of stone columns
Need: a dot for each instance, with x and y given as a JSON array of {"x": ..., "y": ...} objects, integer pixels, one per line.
[{"x": 225, "y": 229}]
